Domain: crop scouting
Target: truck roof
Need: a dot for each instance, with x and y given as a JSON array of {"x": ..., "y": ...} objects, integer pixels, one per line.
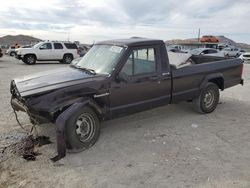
[{"x": 134, "y": 41}]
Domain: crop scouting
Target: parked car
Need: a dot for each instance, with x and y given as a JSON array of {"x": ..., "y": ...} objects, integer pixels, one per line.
[
  {"x": 24, "y": 46},
  {"x": 27, "y": 46},
  {"x": 1, "y": 52},
  {"x": 206, "y": 52},
  {"x": 83, "y": 50},
  {"x": 63, "y": 52},
  {"x": 11, "y": 51},
  {"x": 245, "y": 56},
  {"x": 231, "y": 52},
  {"x": 209, "y": 38},
  {"x": 116, "y": 78},
  {"x": 174, "y": 48}
]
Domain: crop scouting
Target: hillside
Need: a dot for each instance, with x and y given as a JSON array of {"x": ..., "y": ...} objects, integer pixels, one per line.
[
  {"x": 222, "y": 39},
  {"x": 17, "y": 39}
]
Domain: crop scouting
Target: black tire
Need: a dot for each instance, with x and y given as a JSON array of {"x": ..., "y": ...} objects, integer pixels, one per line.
[
  {"x": 12, "y": 54},
  {"x": 208, "y": 99},
  {"x": 67, "y": 58},
  {"x": 29, "y": 59},
  {"x": 82, "y": 130}
]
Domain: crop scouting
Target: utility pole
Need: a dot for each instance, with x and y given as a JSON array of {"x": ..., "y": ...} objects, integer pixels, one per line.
[
  {"x": 199, "y": 33},
  {"x": 68, "y": 35}
]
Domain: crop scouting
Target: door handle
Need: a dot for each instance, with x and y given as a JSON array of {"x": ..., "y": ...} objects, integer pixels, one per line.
[
  {"x": 165, "y": 74},
  {"x": 154, "y": 78}
]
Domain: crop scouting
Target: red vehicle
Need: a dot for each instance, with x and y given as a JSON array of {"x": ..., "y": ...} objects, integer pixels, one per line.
[{"x": 209, "y": 38}]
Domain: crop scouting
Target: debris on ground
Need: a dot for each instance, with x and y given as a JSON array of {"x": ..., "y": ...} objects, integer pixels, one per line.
[
  {"x": 197, "y": 148},
  {"x": 25, "y": 145},
  {"x": 194, "y": 125},
  {"x": 26, "y": 148}
]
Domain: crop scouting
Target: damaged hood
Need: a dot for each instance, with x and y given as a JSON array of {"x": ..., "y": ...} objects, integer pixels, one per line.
[{"x": 53, "y": 79}]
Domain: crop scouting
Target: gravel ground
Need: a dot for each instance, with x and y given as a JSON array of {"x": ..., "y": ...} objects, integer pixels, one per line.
[{"x": 170, "y": 146}]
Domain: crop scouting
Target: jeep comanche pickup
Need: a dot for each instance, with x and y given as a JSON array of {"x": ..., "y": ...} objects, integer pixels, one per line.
[{"x": 119, "y": 77}]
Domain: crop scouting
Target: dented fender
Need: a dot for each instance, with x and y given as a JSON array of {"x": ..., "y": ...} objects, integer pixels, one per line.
[{"x": 61, "y": 125}]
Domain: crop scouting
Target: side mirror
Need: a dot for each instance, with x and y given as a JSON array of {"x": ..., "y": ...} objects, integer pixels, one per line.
[{"x": 122, "y": 77}]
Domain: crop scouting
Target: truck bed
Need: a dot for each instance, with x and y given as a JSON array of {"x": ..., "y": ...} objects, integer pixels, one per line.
[{"x": 187, "y": 79}]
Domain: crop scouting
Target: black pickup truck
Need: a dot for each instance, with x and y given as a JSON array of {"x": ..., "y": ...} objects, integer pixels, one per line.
[{"x": 119, "y": 77}]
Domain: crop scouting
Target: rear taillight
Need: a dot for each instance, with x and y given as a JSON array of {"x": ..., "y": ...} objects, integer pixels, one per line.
[
  {"x": 78, "y": 51},
  {"x": 241, "y": 70}
]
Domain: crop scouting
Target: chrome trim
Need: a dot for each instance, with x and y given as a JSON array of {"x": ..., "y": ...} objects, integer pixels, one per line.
[
  {"x": 165, "y": 73},
  {"x": 101, "y": 95}
]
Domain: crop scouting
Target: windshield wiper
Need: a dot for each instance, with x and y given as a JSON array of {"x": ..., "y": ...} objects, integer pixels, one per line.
[{"x": 92, "y": 71}]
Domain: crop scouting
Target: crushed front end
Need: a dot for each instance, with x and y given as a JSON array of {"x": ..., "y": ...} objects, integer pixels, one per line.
[{"x": 18, "y": 103}]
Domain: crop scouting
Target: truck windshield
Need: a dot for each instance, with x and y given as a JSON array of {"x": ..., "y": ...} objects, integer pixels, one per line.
[{"x": 101, "y": 58}]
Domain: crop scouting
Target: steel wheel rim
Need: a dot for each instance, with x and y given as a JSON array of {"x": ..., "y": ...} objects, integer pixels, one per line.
[
  {"x": 209, "y": 99},
  {"x": 85, "y": 127}
]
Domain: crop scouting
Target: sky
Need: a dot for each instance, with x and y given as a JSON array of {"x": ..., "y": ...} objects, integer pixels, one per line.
[{"x": 94, "y": 20}]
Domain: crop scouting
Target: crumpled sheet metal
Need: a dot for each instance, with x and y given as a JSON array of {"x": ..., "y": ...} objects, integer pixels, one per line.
[{"x": 60, "y": 129}]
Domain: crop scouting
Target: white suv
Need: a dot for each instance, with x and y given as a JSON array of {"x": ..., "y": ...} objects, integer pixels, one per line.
[
  {"x": 231, "y": 52},
  {"x": 64, "y": 52}
]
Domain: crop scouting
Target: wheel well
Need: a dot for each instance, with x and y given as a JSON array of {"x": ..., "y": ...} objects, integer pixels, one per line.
[
  {"x": 218, "y": 81},
  {"x": 68, "y": 54},
  {"x": 91, "y": 104},
  {"x": 30, "y": 54}
]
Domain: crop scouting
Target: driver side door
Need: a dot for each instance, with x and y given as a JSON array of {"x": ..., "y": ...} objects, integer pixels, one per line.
[
  {"x": 140, "y": 85},
  {"x": 44, "y": 51}
]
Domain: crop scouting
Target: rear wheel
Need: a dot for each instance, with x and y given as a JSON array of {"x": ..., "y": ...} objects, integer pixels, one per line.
[
  {"x": 67, "y": 58},
  {"x": 29, "y": 59},
  {"x": 208, "y": 99},
  {"x": 82, "y": 130}
]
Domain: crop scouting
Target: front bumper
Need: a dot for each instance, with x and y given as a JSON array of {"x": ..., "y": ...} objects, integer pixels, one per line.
[
  {"x": 242, "y": 82},
  {"x": 18, "y": 56},
  {"x": 18, "y": 106}
]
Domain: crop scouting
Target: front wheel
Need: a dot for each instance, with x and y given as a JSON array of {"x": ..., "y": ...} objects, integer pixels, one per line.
[
  {"x": 208, "y": 99},
  {"x": 82, "y": 130},
  {"x": 29, "y": 59}
]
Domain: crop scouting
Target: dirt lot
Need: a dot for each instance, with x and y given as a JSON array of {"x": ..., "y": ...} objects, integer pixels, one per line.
[{"x": 171, "y": 146}]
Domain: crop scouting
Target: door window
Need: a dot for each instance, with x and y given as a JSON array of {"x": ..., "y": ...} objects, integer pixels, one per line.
[
  {"x": 212, "y": 51},
  {"x": 46, "y": 46},
  {"x": 141, "y": 61},
  {"x": 58, "y": 46}
]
